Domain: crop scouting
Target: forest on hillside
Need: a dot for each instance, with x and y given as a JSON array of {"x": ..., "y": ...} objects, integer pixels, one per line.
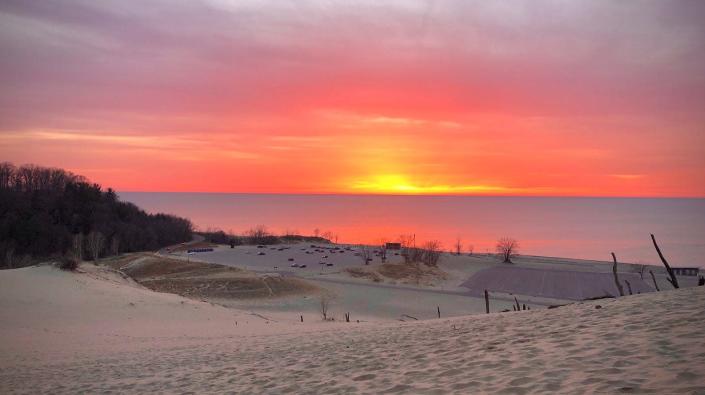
[{"x": 49, "y": 212}]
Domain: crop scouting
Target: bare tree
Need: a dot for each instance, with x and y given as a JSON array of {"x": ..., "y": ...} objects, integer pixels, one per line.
[
  {"x": 325, "y": 303},
  {"x": 407, "y": 241},
  {"x": 258, "y": 235},
  {"x": 471, "y": 249},
  {"x": 328, "y": 235},
  {"x": 431, "y": 251},
  {"x": 115, "y": 245},
  {"x": 316, "y": 232},
  {"x": 383, "y": 249},
  {"x": 77, "y": 246},
  {"x": 258, "y": 231},
  {"x": 409, "y": 252},
  {"x": 9, "y": 257},
  {"x": 616, "y": 278},
  {"x": 365, "y": 254},
  {"x": 412, "y": 255},
  {"x": 506, "y": 248},
  {"x": 95, "y": 242},
  {"x": 458, "y": 246},
  {"x": 673, "y": 280},
  {"x": 7, "y": 172}
]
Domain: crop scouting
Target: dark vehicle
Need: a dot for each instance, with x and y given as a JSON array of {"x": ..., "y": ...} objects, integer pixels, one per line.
[{"x": 192, "y": 250}]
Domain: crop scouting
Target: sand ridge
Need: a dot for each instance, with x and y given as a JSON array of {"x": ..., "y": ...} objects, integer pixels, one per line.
[{"x": 649, "y": 343}]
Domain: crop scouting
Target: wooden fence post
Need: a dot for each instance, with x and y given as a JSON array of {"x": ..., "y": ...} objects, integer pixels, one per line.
[
  {"x": 616, "y": 279},
  {"x": 654, "y": 278},
  {"x": 487, "y": 302}
]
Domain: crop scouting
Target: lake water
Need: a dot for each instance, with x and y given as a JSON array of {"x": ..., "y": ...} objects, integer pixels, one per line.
[{"x": 588, "y": 228}]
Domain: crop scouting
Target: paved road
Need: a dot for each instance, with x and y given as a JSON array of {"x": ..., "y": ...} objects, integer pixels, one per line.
[{"x": 195, "y": 239}]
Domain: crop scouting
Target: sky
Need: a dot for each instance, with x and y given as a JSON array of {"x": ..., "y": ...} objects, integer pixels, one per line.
[{"x": 557, "y": 98}]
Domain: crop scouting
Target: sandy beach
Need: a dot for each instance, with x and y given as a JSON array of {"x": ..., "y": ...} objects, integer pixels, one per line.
[
  {"x": 383, "y": 291},
  {"x": 95, "y": 331}
]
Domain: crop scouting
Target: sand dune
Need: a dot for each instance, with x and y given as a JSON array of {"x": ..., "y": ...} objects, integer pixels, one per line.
[
  {"x": 553, "y": 283},
  {"x": 205, "y": 280},
  {"x": 649, "y": 343}
]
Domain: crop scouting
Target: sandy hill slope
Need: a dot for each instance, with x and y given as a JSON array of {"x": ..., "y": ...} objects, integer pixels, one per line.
[
  {"x": 198, "y": 280},
  {"x": 68, "y": 333}
]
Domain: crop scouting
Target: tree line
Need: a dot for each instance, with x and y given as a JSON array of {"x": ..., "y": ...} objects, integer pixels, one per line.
[
  {"x": 49, "y": 212},
  {"x": 257, "y": 235}
]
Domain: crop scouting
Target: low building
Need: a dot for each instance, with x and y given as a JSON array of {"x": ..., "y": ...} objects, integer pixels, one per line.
[
  {"x": 686, "y": 271},
  {"x": 393, "y": 246}
]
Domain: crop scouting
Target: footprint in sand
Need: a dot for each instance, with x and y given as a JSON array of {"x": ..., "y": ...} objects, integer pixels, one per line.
[
  {"x": 364, "y": 377},
  {"x": 450, "y": 372}
]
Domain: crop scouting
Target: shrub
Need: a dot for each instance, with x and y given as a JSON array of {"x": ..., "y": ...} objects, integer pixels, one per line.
[
  {"x": 68, "y": 263},
  {"x": 260, "y": 235},
  {"x": 429, "y": 254}
]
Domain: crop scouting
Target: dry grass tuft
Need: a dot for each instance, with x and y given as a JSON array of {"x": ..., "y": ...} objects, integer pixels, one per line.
[
  {"x": 359, "y": 272},
  {"x": 412, "y": 273}
]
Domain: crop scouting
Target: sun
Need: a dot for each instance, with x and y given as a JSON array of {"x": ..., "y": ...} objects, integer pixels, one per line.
[{"x": 396, "y": 183}]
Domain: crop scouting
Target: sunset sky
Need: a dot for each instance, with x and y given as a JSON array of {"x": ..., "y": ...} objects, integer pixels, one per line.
[{"x": 598, "y": 98}]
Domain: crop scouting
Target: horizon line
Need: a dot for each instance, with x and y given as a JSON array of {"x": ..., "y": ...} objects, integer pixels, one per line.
[{"x": 422, "y": 195}]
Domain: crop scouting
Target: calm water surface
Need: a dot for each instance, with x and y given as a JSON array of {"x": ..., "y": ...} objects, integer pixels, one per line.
[{"x": 588, "y": 228}]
